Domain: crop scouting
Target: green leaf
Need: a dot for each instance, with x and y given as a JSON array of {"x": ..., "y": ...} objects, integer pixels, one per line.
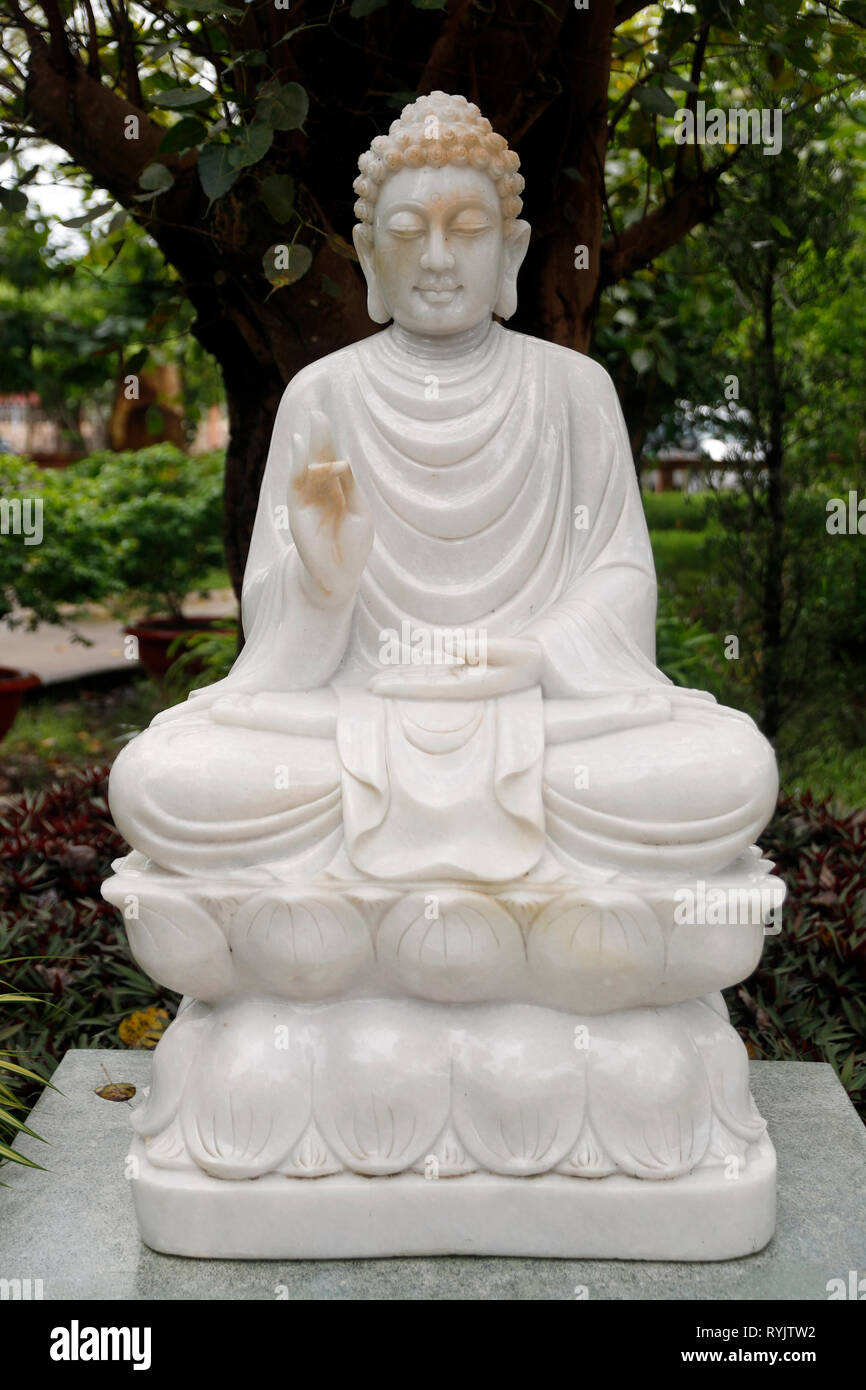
[
  {"x": 641, "y": 360},
  {"x": 680, "y": 84},
  {"x": 341, "y": 247},
  {"x": 359, "y": 8},
  {"x": 181, "y": 96},
  {"x": 155, "y": 179},
  {"x": 117, "y": 221},
  {"x": 655, "y": 99},
  {"x": 331, "y": 287},
  {"x": 215, "y": 170},
  {"x": 135, "y": 363},
  {"x": 283, "y": 107},
  {"x": 659, "y": 61},
  {"x": 183, "y": 136},
  {"x": 781, "y": 227},
  {"x": 13, "y": 200},
  {"x": 278, "y": 195},
  {"x": 6, "y": 1152},
  {"x": 667, "y": 371},
  {"x": 429, "y": 4},
  {"x": 20, "y": 1071},
  {"x": 574, "y": 174},
  {"x": 251, "y": 144},
  {"x": 283, "y": 264},
  {"x": 88, "y": 216}
]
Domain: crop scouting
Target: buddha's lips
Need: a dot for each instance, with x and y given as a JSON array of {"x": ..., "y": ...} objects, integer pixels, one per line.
[{"x": 438, "y": 294}]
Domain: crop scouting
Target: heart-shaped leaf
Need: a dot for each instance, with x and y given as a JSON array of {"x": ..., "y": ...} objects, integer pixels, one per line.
[
  {"x": 183, "y": 136},
  {"x": 283, "y": 107},
  {"x": 215, "y": 170},
  {"x": 655, "y": 99},
  {"x": 283, "y": 264},
  {"x": 12, "y": 199},
  {"x": 251, "y": 144},
  {"x": 155, "y": 179},
  {"x": 278, "y": 196},
  {"x": 181, "y": 96}
]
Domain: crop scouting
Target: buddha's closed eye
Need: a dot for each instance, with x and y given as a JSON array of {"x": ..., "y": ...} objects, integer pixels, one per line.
[
  {"x": 461, "y": 226},
  {"x": 406, "y": 228}
]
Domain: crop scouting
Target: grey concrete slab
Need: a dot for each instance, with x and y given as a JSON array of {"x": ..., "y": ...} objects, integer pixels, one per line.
[{"x": 73, "y": 1227}]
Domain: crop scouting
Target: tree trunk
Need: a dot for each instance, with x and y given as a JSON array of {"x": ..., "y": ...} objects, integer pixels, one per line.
[
  {"x": 539, "y": 72},
  {"x": 771, "y": 644}
]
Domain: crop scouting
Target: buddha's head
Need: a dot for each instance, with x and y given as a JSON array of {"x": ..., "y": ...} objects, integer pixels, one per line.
[{"x": 438, "y": 234}]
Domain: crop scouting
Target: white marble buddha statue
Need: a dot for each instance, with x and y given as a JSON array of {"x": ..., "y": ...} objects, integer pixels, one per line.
[
  {"x": 418, "y": 863},
  {"x": 449, "y": 601}
]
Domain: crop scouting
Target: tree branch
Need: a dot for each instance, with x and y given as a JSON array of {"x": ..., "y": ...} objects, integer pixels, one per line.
[
  {"x": 89, "y": 121},
  {"x": 666, "y": 225},
  {"x": 92, "y": 42},
  {"x": 59, "y": 41},
  {"x": 692, "y": 98}
]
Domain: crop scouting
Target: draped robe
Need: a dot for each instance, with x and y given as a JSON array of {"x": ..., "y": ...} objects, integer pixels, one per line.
[{"x": 505, "y": 502}]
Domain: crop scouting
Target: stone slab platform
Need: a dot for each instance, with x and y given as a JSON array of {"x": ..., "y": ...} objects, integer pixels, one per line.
[{"x": 74, "y": 1228}]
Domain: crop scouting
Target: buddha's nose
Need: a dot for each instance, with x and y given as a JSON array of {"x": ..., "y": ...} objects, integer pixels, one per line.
[{"x": 436, "y": 256}]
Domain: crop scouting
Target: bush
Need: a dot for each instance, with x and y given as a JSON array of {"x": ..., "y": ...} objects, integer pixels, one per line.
[
  {"x": 685, "y": 651},
  {"x": 135, "y": 530},
  {"x": 56, "y": 848},
  {"x": 71, "y": 565},
  {"x": 807, "y": 999},
  {"x": 161, "y": 516}
]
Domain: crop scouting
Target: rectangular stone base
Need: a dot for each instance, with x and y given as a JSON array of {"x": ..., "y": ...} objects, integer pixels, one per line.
[{"x": 703, "y": 1216}]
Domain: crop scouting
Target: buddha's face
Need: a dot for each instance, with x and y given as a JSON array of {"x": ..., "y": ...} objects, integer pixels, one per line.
[{"x": 440, "y": 261}]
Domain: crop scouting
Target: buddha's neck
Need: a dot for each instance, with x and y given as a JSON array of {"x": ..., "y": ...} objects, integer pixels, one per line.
[{"x": 435, "y": 346}]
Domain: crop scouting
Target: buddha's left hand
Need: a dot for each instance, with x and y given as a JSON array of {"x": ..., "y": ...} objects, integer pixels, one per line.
[{"x": 508, "y": 663}]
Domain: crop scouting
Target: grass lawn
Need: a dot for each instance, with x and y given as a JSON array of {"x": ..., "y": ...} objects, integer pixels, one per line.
[{"x": 51, "y": 737}]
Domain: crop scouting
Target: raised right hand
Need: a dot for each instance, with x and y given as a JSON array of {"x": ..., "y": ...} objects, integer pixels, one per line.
[{"x": 330, "y": 522}]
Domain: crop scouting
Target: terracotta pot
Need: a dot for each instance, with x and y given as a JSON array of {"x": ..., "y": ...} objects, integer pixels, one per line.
[
  {"x": 155, "y": 636},
  {"x": 12, "y": 687}
]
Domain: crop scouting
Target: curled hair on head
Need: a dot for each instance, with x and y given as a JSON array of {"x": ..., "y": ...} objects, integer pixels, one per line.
[{"x": 437, "y": 130}]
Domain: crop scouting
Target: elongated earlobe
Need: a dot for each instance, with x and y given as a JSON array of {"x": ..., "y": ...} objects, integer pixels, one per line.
[
  {"x": 512, "y": 259},
  {"x": 376, "y": 306}
]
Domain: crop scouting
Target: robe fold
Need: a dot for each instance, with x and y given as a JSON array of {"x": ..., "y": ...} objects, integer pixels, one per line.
[{"x": 505, "y": 503}]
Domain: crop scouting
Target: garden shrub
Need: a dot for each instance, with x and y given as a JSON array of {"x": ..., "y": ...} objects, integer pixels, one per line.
[
  {"x": 807, "y": 999},
  {"x": 56, "y": 848},
  {"x": 133, "y": 530}
]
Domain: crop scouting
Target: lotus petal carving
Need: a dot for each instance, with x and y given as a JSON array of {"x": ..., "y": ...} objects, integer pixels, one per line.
[{"x": 450, "y": 945}]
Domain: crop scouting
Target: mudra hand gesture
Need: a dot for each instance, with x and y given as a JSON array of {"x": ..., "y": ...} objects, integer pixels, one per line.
[
  {"x": 510, "y": 663},
  {"x": 329, "y": 520}
]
